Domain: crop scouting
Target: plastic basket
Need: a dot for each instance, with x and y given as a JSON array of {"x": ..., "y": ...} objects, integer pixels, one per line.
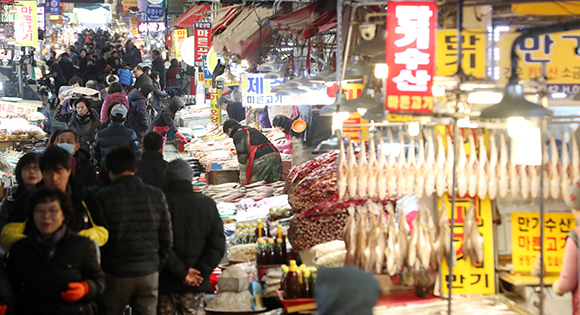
[{"x": 296, "y": 305}]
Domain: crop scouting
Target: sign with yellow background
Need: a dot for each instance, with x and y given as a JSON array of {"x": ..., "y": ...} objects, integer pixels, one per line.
[
  {"x": 178, "y": 37},
  {"x": 25, "y": 24},
  {"x": 526, "y": 239},
  {"x": 216, "y": 111},
  {"x": 469, "y": 279},
  {"x": 556, "y": 50},
  {"x": 473, "y": 48}
]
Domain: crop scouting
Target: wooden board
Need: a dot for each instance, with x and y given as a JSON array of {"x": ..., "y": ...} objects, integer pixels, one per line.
[{"x": 223, "y": 176}]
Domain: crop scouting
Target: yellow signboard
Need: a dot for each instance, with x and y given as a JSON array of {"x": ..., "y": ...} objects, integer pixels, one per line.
[
  {"x": 208, "y": 83},
  {"x": 526, "y": 239},
  {"x": 25, "y": 24},
  {"x": 233, "y": 83},
  {"x": 352, "y": 91},
  {"x": 216, "y": 111},
  {"x": 546, "y": 8},
  {"x": 130, "y": 3},
  {"x": 469, "y": 279},
  {"x": 556, "y": 50},
  {"x": 473, "y": 49},
  {"x": 178, "y": 37}
]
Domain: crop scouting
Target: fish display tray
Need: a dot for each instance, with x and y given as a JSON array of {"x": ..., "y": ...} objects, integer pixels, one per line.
[{"x": 296, "y": 305}]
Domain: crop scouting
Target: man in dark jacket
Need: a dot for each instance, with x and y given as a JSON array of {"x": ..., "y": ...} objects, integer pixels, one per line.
[
  {"x": 158, "y": 65},
  {"x": 141, "y": 236},
  {"x": 84, "y": 170},
  {"x": 66, "y": 66},
  {"x": 165, "y": 121},
  {"x": 138, "y": 108},
  {"x": 152, "y": 164},
  {"x": 142, "y": 79},
  {"x": 235, "y": 109},
  {"x": 87, "y": 218},
  {"x": 115, "y": 134},
  {"x": 259, "y": 159},
  {"x": 199, "y": 243},
  {"x": 132, "y": 55}
]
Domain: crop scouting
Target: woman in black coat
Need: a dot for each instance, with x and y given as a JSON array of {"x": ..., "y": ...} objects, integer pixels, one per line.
[{"x": 54, "y": 271}]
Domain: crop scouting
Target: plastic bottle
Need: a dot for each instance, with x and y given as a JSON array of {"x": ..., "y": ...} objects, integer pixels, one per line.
[
  {"x": 264, "y": 253},
  {"x": 279, "y": 253},
  {"x": 280, "y": 234},
  {"x": 292, "y": 282},
  {"x": 237, "y": 237},
  {"x": 306, "y": 286},
  {"x": 283, "y": 279},
  {"x": 259, "y": 254},
  {"x": 260, "y": 229},
  {"x": 300, "y": 284},
  {"x": 312, "y": 281}
]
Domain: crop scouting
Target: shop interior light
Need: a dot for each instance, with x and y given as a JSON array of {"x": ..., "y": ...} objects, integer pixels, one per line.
[
  {"x": 280, "y": 73},
  {"x": 484, "y": 97},
  {"x": 362, "y": 103},
  {"x": 374, "y": 46},
  {"x": 227, "y": 76},
  {"x": 381, "y": 71},
  {"x": 414, "y": 128},
  {"x": 518, "y": 127},
  {"x": 355, "y": 71},
  {"x": 269, "y": 66},
  {"x": 438, "y": 90},
  {"x": 245, "y": 63},
  {"x": 321, "y": 77},
  {"x": 514, "y": 104},
  {"x": 301, "y": 82},
  {"x": 378, "y": 112},
  {"x": 466, "y": 123},
  {"x": 338, "y": 119}
]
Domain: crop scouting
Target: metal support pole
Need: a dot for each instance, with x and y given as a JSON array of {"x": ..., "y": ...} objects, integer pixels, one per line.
[
  {"x": 543, "y": 123},
  {"x": 453, "y": 200}
]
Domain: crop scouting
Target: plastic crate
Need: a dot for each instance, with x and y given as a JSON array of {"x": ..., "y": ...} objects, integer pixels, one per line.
[{"x": 296, "y": 305}]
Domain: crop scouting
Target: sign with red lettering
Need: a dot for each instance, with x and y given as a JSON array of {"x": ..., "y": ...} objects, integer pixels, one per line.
[
  {"x": 216, "y": 111},
  {"x": 202, "y": 41},
  {"x": 410, "y": 51},
  {"x": 25, "y": 25}
]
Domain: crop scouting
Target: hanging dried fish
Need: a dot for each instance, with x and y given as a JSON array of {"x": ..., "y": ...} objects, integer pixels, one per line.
[
  {"x": 383, "y": 171},
  {"x": 373, "y": 238},
  {"x": 373, "y": 174},
  {"x": 361, "y": 236},
  {"x": 424, "y": 246},
  {"x": 554, "y": 172},
  {"x": 402, "y": 241},
  {"x": 420, "y": 176},
  {"x": 411, "y": 169},
  {"x": 342, "y": 171},
  {"x": 525, "y": 181},
  {"x": 441, "y": 179},
  {"x": 503, "y": 182},
  {"x": 391, "y": 166},
  {"x": 430, "y": 172},
  {"x": 546, "y": 173},
  {"x": 414, "y": 241},
  {"x": 492, "y": 168},
  {"x": 392, "y": 250},
  {"x": 462, "y": 179},
  {"x": 472, "y": 240},
  {"x": 575, "y": 155},
  {"x": 445, "y": 247},
  {"x": 482, "y": 183},
  {"x": 449, "y": 164},
  {"x": 352, "y": 170},
  {"x": 401, "y": 167},
  {"x": 472, "y": 166},
  {"x": 514, "y": 180},
  {"x": 565, "y": 172},
  {"x": 534, "y": 172},
  {"x": 350, "y": 236},
  {"x": 380, "y": 233},
  {"x": 363, "y": 169}
]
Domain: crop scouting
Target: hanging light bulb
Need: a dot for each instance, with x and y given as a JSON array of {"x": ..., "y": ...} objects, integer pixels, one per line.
[
  {"x": 414, "y": 129},
  {"x": 245, "y": 63},
  {"x": 338, "y": 119},
  {"x": 381, "y": 71}
]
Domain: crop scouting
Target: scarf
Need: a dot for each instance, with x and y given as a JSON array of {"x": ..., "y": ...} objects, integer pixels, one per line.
[
  {"x": 49, "y": 246},
  {"x": 84, "y": 119}
]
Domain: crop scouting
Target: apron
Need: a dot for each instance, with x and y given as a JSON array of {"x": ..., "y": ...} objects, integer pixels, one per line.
[
  {"x": 163, "y": 131},
  {"x": 252, "y": 153}
]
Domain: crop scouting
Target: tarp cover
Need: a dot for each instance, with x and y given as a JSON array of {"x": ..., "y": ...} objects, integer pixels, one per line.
[
  {"x": 187, "y": 19},
  {"x": 307, "y": 21}
]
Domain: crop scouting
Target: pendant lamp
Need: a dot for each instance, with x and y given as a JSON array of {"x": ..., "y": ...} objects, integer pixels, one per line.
[
  {"x": 514, "y": 104},
  {"x": 278, "y": 74},
  {"x": 377, "y": 113},
  {"x": 365, "y": 101},
  {"x": 329, "y": 109},
  {"x": 290, "y": 91},
  {"x": 269, "y": 66},
  {"x": 227, "y": 76},
  {"x": 321, "y": 77},
  {"x": 331, "y": 144},
  {"x": 374, "y": 46}
]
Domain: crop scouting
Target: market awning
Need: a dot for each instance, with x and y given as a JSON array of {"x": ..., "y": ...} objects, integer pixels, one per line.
[
  {"x": 245, "y": 33},
  {"x": 189, "y": 17},
  {"x": 307, "y": 21},
  {"x": 224, "y": 19}
]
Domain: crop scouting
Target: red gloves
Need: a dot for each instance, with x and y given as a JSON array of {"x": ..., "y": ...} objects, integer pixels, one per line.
[
  {"x": 75, "y": 292},
  {"x": 3, "y": 309},
  {"x": 182, "y": 137}
]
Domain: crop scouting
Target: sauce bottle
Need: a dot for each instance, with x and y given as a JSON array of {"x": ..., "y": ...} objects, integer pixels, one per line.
[
  {"x": 264, "y": 254},
  {"x": 312, "y": 281},
  {"x": 292, "y": 282},
  {"x": 260, "y": 229},
  {"x": 306, "y": 286},
  {"x": 279, "y": 254},
  {"x": 237, "y": 237},
  {"x": 300, "y": 284},
  {"x": 259, "y": 254},
  {"x": 283, "y": 279},
  {"x": 280, "y": 234},
  {"x": 273, "y": 256}
]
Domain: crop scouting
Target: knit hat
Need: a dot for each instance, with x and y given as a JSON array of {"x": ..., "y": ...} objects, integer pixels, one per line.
[
  {"x": 119, "y": 109},
  {"x": 573, "y": 200},
  {"x": 345, "y": 291},
  {"x": 176, "y": 103},
  {"x": 111, "y": 78},
  {"x": 177, "y": 170}
]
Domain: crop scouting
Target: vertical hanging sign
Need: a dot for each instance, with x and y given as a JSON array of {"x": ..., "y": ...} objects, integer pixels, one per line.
[
  {"x": 410, "y": 51},
  {"x": 25, "y": 26},
  {"x": 202, "y": 41},
  {"x": 216, "y": 111},
  {"x": 178, "y": 37}
]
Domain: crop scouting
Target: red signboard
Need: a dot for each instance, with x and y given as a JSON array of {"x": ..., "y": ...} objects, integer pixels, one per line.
[
  {"x": 202, "y": 42},
  {"x": 410, "y": 51}
]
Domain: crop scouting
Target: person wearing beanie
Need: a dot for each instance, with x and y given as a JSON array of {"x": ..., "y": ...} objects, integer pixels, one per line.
[
  {"x": 568, "y": 279},
  {"x": 152, "y": 164},
  {"x": 165, "y": 120},
  {"x": 345, "y": 291},
  {"x": 138, "y": 98},
  {"x": 199, "y": 243},
  {"x": 259, "y": 159}
]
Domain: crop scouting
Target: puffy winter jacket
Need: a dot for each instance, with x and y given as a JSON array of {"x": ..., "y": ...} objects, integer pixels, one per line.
[
  {"x": 138, "y": 107},
  {"x": 167, "y": 115},
  {"x": 159, "y": 66},
  {"x": 125, "y": 77},
  {"x": 85, "y": 170},
  {"x": 139, "y": 228},
  {"x": 157, "y": 95},
  {"x": 40, "y": 281},
  {"x": 121, "y": 97},
  {"x": 199, "y": 240},
  {"x": 142, "y": 80},
  {"x": 86, "y": 130},
  {"x": 151, "y": 167},
  {"x": 116, "y": 134}
]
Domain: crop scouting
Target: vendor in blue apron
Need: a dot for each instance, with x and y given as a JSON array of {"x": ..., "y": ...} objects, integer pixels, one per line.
[{"x": 259, "y": 159}]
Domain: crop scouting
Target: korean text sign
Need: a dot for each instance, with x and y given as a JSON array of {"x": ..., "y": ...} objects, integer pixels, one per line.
[
  {"x": 410, "y": 52},
  {"x": 556, "y": 50},
  {"x": 178, "y": 37},
  {"x": 25, "y": 25},
  {"x": 526, "y": 239},
  {"x": 216, "y": 111},
  {"x": 11, "y": 108},
  {"x": 469, "y": 279},
  {"x": 256, "y": 92},
  {"x": 473, "y": 48},
  {"x": 202, "y": 41}
]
